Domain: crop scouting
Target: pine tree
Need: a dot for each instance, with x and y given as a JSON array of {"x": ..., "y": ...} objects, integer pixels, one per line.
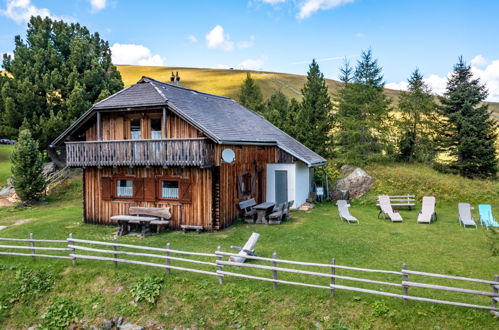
[
  {"x": 276, "y": 110},
  {"x": 362, "y": 111},
  {"x": 59, "y": 71},
  {"x": 250, "y": 95},
  {"x": 471, "y": 135},
  {"x": 314, "y": 119},
  {"x": 27, "y": 168},
  {"x": 417, "y": 121}
]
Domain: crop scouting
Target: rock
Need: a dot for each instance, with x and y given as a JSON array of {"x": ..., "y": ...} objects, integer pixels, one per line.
[
  {"x": 131, "y": 326},
  {"x": 48, "y": 169},
  {"x": 356, "y": 181},
  {"x": 107, "y": 325},
  {"x": 120, "y": 321}
]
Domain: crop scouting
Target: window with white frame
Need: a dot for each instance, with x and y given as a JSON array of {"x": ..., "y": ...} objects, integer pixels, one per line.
[
  {"x": 169, "y": 189},
  {"x": 124, "y": 188}
]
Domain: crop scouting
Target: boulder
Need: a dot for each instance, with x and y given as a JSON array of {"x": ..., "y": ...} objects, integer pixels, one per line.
[{"x": 355, "y": 181}]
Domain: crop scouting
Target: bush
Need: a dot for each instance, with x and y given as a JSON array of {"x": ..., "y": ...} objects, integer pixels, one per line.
[
  {"x": 147, "y": 289},
  {"x": 27, "y": 168},
  {"x": 61, "y": 313}
]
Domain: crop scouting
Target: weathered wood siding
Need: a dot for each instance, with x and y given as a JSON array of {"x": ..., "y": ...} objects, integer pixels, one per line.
[
  {"x": 249, "y": 159},
  {"x": 116, "y": 126},
  {"x": 198, "y": 212}
]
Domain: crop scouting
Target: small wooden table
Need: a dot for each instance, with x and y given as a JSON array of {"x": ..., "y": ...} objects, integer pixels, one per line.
[{"x": 262, "y": 210}]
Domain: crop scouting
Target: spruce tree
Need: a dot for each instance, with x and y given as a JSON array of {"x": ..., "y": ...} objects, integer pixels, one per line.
[
  {"x": 276, "y": 110},
  {"x": 417, "y": 121},
  {"x": 314, "y": 120},
  {"x": 362, "y": 112},
  {"x": 471, "y": 135},
  {"x": 57, "y": 73},
  {"x": 250, "y": 95},
  {"x": 27, "y": 168}
]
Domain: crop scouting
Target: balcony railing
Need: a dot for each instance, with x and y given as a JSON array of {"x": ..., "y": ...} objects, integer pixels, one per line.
[{"x": 151, "y": 152}]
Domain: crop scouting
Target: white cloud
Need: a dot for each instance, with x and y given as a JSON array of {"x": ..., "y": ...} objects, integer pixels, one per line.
[
  {"x": 192, "y": 38},
  {"x": 21, "y": 11},
  {"x": 360, "y": 35},
  {"x": 252, "y": 64},
  {"x": 135, "y": 54},
  {"x": 308, "y": 7},
  {"x": 98, "y": 5},
  {"x": 246, "y": 44},
  {"x": 435, "y": 82},
  {"x": 478, "y": 61},
  {"x": 490, "y": 76},
  {"x": 217, "y": 39},
  {"x": 401, "y": 86},
  {"x": 222, "y": 66}
]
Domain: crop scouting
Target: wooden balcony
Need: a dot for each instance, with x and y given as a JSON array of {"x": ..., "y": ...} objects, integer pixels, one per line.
[{"x": 150, "y": 152}]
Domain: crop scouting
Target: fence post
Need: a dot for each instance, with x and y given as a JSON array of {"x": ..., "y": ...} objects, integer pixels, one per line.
[
  {"x": 219, "y": 268},
  {"x": 495, "y": 290},
  {"x": 274, "y": 272},
  {"x": 333, "y": 271},
  {"x": 32, "y": 243},
  {"x": 115, "y": 254},
  {"x": 167, "y": 269},
  {"x": 405, "y": 278},
  {"x": 73, "y": 250}
]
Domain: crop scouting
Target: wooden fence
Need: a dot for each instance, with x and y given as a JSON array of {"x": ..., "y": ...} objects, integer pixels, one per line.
[{"x": 217, "y": 264}]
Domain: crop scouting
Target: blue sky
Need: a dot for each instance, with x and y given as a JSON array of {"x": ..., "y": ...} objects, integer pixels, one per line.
[{"x": 284, "y": 35}]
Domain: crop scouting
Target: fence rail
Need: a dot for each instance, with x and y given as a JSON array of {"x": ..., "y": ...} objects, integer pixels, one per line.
[{"x": 213, "y": 264}]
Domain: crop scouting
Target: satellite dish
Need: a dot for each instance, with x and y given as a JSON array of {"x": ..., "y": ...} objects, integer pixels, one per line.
[{"x": 228, "y": 155}]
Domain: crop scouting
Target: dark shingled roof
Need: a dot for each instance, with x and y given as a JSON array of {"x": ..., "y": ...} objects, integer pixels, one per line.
[{"x": 220, "y": 118}]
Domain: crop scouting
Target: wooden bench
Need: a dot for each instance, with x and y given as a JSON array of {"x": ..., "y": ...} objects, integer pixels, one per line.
[
  {"x": 144, "y": 217},
  {"x": 248, "y": 211},
  {"x": 276, "y": 217},
  {"x": 198, "y": 229},
  {"x": 398, "y": 201}
]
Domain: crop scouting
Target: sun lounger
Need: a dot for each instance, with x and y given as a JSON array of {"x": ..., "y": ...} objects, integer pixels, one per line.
[
  {"x": 344, "y": 212},
  {"x": 387, "y": 210},
  {"x": 465, "y": 217},
  {"x": 427, "y": 214},
  {"x": 247, "y": 250},
  {"x": 486, "y": 217}
]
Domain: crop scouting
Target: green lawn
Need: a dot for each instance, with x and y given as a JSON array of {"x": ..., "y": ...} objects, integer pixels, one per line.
[
  {"x": 5, "y": 151},
  {"x": 186, "y": 300}
]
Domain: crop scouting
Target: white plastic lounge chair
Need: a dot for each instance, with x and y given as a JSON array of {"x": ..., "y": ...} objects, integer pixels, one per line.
[
  {"x": 345, "y": 213},
  {"x": 486, "y": 217},
  {"x": 387, "y": 210},
  {"x": 465, "y": 217},
  {"x": 247, "y": 250},
  {"x": 427, "y": 214}
]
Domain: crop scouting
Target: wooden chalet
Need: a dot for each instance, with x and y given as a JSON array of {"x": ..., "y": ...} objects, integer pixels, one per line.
[{"x": 155, "y": 144}]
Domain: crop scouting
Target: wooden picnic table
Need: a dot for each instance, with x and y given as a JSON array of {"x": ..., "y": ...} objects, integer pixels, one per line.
[{"x": 262, "y": 210}]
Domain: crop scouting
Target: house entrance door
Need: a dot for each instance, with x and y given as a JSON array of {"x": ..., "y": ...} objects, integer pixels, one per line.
[{"x": 281, "y": 186}]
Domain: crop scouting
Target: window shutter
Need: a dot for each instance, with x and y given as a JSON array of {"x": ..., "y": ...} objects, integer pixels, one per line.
[
  {"x": 106, "y": 187},
  {"x": 138, "y": 189},
  {"x": 150, "y": 189},
  {"x": 185, "y": 191}
]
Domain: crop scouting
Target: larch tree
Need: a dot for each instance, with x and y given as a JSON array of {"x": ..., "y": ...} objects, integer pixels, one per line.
[
  {"x": 362, "y": 112},
  {"x": 417, "y": 120},
  {"x": 27, "y": 168},
  {"x": 56, "y": 74},
  {"x": 314, "y": 120},
  {"x": 471, "y": 134},
  {"x": 250, "y": 95}
]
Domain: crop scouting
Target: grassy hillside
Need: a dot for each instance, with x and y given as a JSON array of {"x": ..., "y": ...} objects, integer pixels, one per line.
[
  {"x": 97, "y": 291},
  {"x": 227, "y": 82}
]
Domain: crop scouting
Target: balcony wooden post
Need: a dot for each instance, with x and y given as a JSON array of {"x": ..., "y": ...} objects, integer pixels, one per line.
[
  {"x": 163, "y": 124},
  {"x": 99, "y": 132}
]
